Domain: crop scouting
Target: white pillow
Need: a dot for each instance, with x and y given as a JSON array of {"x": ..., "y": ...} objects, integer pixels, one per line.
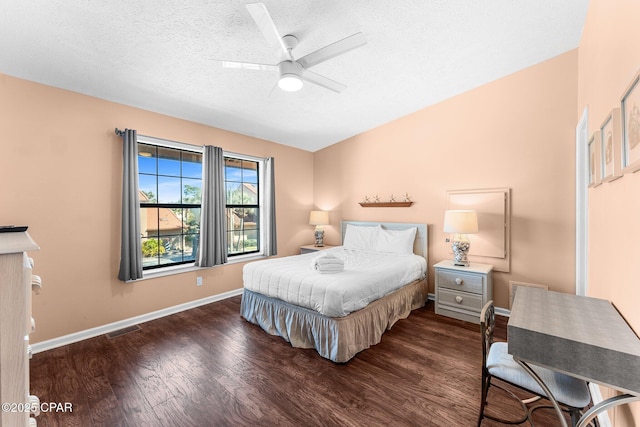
[
  {"x": 396, "y": 241},
  {"x": 361, "y": 237}
]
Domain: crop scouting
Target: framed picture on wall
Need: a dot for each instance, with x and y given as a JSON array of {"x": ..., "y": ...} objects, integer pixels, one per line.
[
  {"x": 630, "y": 111},
  {"x": 595, "y": 175},
  {"x": 611, "y": 145}
]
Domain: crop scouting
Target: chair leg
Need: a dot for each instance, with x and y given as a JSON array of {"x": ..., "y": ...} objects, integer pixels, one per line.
[
  {"x": 525, "y": 409},
  {"x": 483, "y": 398},
  {"x": 575, "y": 415}
]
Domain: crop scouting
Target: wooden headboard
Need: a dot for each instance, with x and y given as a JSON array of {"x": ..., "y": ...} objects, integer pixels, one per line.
[{"x": 420, "y": 244}]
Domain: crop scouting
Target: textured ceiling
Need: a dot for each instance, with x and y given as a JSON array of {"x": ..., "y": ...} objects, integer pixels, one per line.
[{"x": 159, "y": 55}]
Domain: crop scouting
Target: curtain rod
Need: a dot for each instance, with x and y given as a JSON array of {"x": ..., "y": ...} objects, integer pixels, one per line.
[
  {"x": 165, "y": 142},
  {"x": 121, "y": 133},
  {"x": 185, "y": 145}
]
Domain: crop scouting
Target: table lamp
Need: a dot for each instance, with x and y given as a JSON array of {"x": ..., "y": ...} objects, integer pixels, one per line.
[
  {"x": 460, "y": 223},
  {"x": 319, "y": 218}
]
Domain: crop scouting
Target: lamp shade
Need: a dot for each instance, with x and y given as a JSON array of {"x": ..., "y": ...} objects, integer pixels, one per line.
[
  {"x": 461, "y": 222},
  {"x": 319, "y": 218}
]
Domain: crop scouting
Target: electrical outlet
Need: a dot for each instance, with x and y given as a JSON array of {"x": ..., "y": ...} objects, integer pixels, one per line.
[{"x": 199, "y": 281}]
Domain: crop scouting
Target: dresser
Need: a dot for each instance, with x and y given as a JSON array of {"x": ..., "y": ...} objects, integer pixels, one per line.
[
  {"x": 461, "y": 292},
  {"x": 16, "y": 323}
]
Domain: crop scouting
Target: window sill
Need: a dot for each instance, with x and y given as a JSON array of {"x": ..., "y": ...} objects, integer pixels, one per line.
[
  {"x": 245, "y": 258},
  {"x": 166, "y": 271},
  {"x": 186, "y": 268}
]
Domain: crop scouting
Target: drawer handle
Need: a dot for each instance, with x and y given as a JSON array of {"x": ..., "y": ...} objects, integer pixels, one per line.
[
  {"x": 458, "y": 281},
  {"x": 36, "y": 284},
  {"x": 34, "y": 402},
  {"x": 459, "y": 299}
]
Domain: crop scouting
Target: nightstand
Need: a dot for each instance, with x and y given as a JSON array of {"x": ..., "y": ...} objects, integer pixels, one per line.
[
  {"x": 311, "y": 248},
  {"x": 461, "y": 292}
]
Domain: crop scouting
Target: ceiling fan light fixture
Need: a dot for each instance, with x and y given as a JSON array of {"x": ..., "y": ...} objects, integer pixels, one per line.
[
  {"x": 290, "y": 72},
  {"x": 290, "y": 82},
  {"x": 293, "y": 71}
]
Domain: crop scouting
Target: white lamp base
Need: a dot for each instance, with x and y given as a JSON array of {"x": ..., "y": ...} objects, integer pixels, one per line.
[
  {"x": 319, "y": 234},
  {"x": 460, "y": 249}
]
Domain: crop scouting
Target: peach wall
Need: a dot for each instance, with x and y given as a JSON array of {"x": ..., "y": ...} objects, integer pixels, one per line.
[
  {"x": 516, "y": 132},
  {"x": 609, "y": 57},
  {"x": 60, "y": 174}
]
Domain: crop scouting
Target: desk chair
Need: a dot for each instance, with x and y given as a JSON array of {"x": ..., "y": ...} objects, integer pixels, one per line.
[{"x": 571, "y": 393}]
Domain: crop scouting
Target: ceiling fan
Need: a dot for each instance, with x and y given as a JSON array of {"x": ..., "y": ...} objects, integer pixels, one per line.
[{"x": 293, "y": 71}]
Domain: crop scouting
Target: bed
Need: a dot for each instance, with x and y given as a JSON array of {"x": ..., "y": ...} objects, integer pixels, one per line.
[{"x": 341, "y": 314}]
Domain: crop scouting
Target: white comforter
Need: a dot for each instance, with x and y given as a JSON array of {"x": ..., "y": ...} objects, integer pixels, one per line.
[{"x": 367, "y": 276}]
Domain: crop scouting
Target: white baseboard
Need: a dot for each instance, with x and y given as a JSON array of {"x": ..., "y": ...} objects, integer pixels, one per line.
[
  {"x": 104, "y": 329},
  {"x": 503, "y": 312}
]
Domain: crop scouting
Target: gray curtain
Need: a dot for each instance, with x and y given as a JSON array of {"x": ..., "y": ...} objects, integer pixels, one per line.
[
  {"x": 270, "y": 197},
  {"x": 130, "y": 249},
  {"x": 212, "y": 249}
]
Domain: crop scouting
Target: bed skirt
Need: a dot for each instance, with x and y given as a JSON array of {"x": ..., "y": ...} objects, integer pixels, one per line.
[{"x": 335, "y": 338}]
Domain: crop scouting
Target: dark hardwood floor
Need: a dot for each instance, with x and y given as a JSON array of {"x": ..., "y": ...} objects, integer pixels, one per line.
[{"x": 209, "y": 367}]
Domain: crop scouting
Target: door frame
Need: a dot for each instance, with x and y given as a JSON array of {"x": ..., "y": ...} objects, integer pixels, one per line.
[{"x": 582, "y": 205}]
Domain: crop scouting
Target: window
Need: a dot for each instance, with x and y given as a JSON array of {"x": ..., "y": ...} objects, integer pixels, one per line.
[
  {"x": 242, "y": 187},
  {"x": 170, "y": 190}
]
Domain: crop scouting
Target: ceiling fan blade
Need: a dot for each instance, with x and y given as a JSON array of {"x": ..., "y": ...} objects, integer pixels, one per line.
[
  {"x": 260, "y": 15},
  {"x": 333, "y": 50},
  {"x": 323, "y": 81},
  {"x": 248, "y": 66}
]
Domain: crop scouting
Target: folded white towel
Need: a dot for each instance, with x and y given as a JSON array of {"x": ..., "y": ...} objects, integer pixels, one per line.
[
  {"x": 327, "y": 263},
  {"x": 334, "y": 268},
  {"x": 329, "y": 267}
]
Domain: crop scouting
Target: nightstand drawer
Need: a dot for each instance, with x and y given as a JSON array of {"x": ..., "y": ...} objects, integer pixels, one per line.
[
  {"x": 460, "y": 299},
  {"x": 460, "y": 281}
]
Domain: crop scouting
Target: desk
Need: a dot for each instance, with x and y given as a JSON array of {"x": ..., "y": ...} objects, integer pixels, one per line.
[{"x": 579, "y": 336}]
